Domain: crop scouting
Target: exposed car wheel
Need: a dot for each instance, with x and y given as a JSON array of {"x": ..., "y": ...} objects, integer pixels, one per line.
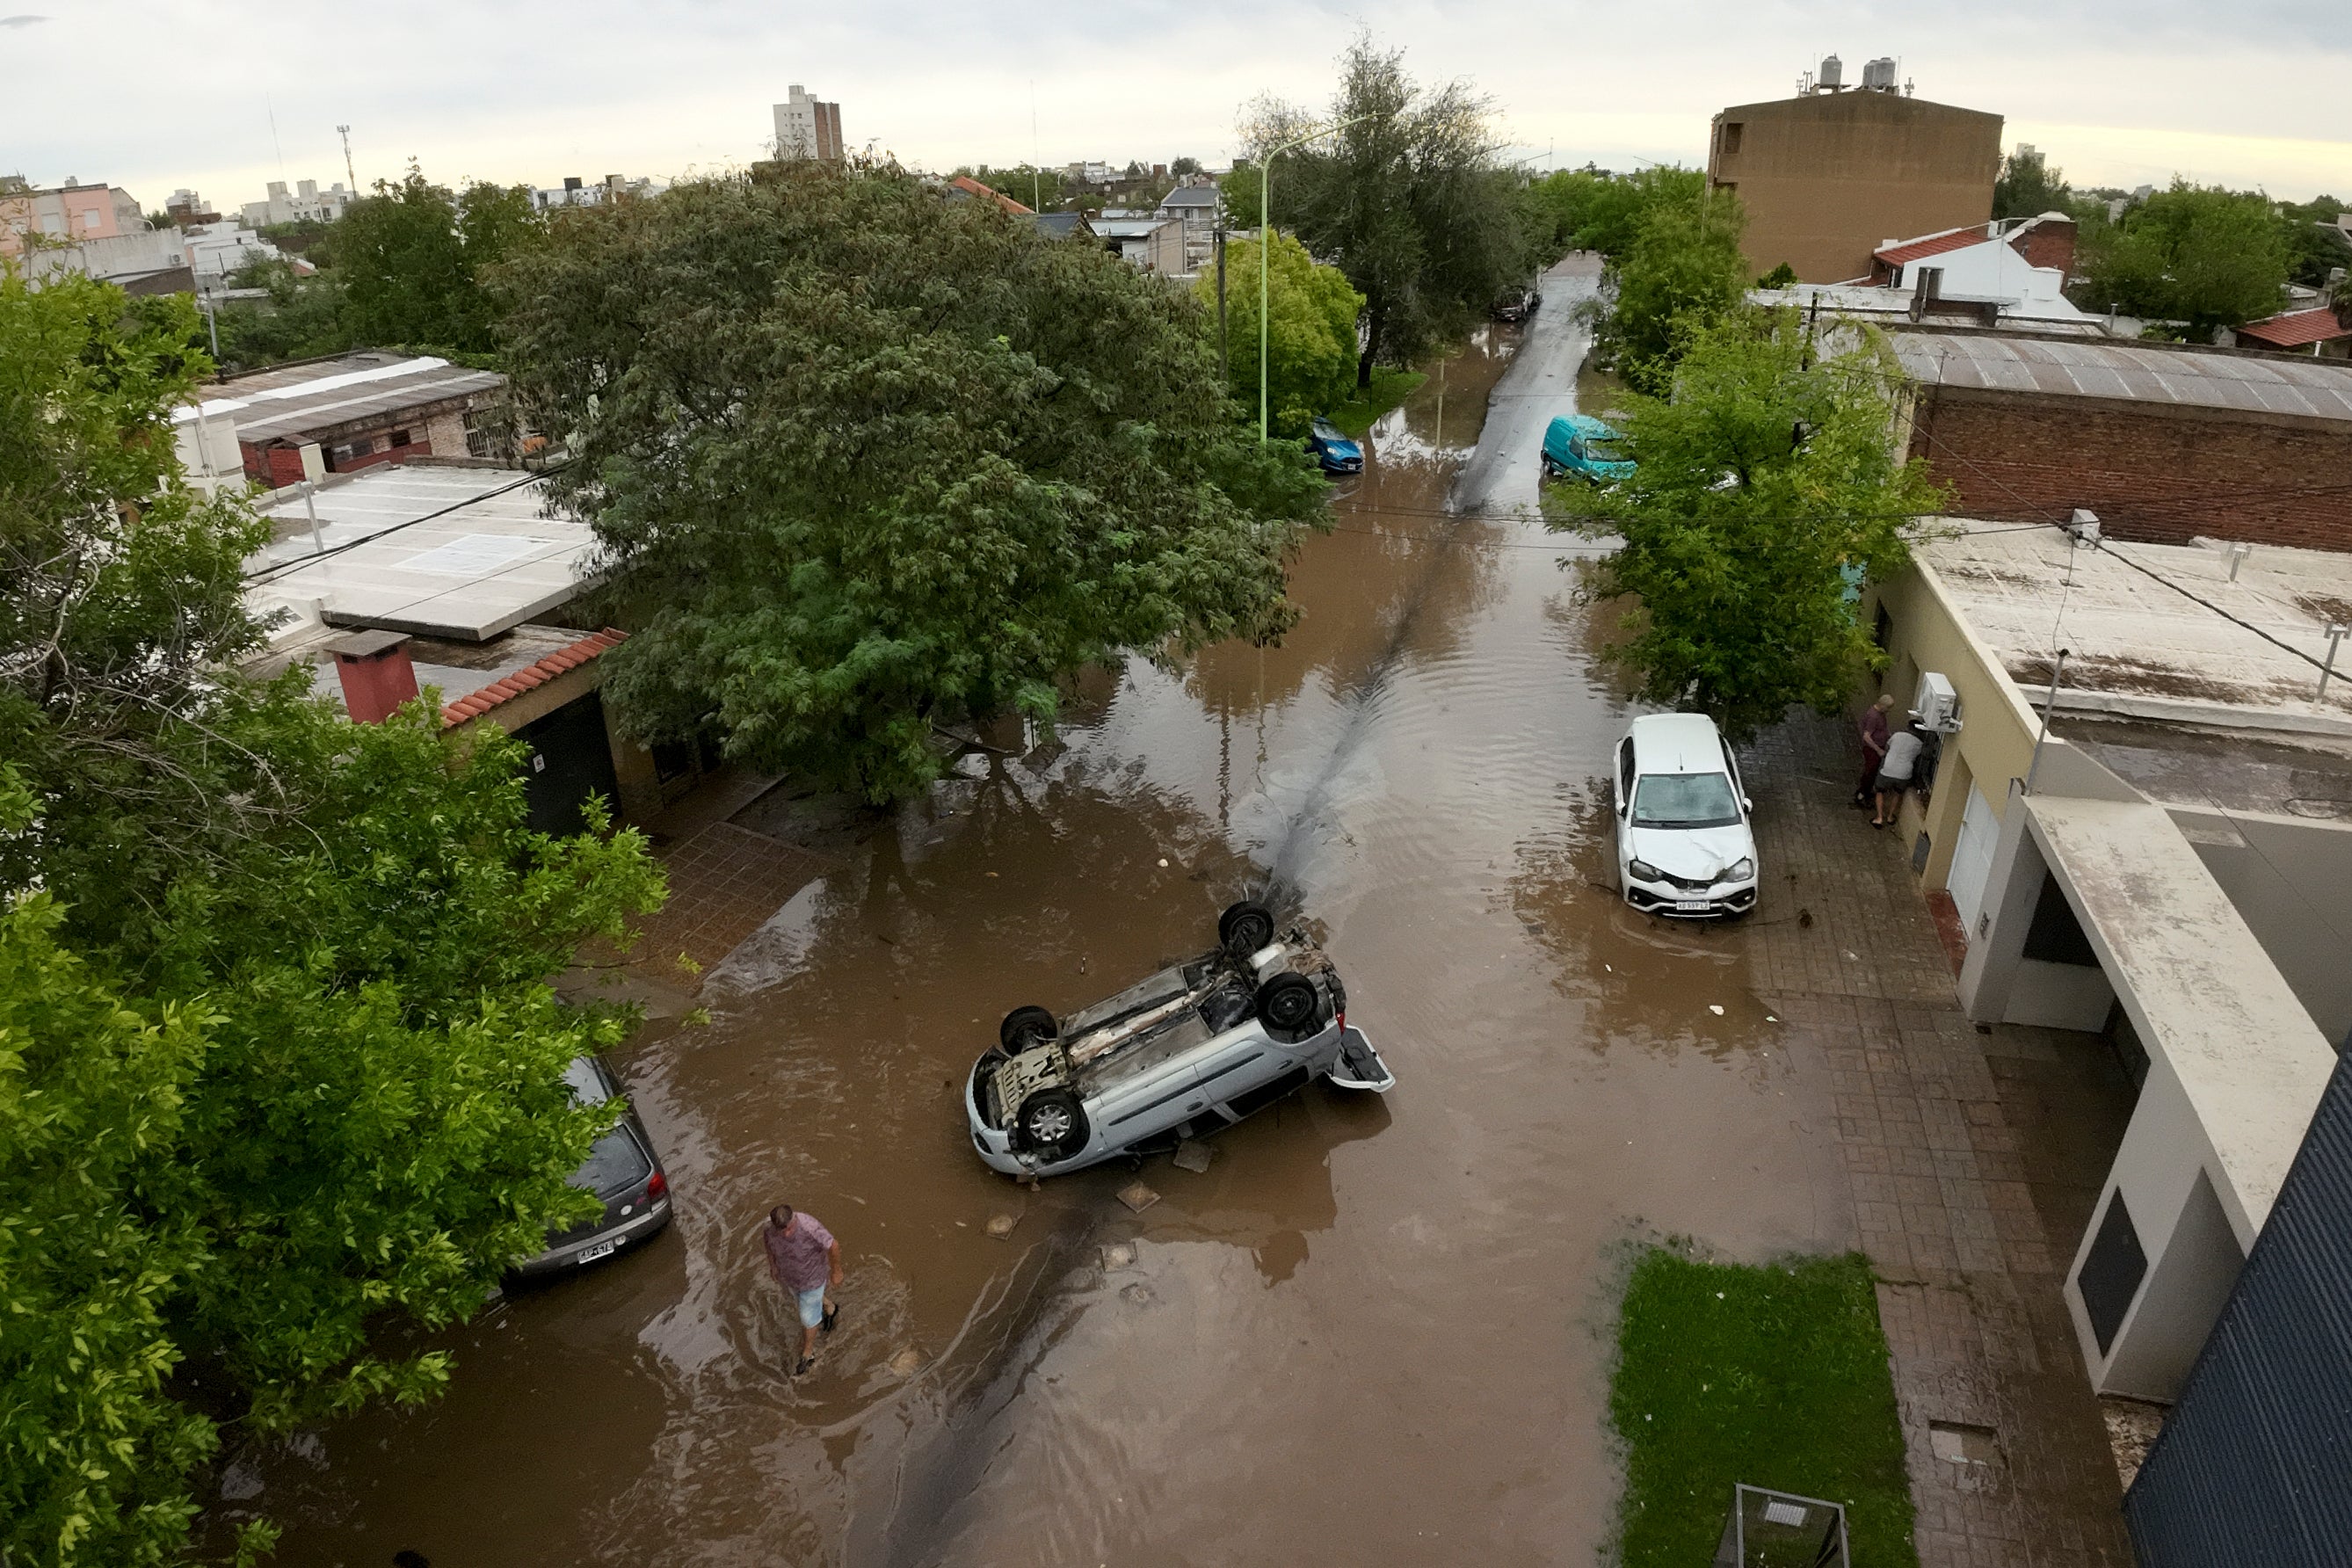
[
  {"x": 1026, "y": 1027},
  {"x": 1051, "y": 1122},
  {"x": 1245, "y": 928},
  {"x": 1289, "y": 1004}
]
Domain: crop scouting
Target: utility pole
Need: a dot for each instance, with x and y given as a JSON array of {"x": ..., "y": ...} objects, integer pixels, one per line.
[
  {"x": 348, "y": 173},
  {"x": 1224, "y": 373}
]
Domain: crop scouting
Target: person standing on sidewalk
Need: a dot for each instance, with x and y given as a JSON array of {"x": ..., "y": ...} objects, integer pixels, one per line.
[
  {"x": 1874, "y": 751},
  {"x": 806, "y": 1261},
  {"x": 1894, "y": 775}
]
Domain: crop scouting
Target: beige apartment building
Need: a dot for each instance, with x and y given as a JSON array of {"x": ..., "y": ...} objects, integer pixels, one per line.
[{"x": 1833, "y": 173}]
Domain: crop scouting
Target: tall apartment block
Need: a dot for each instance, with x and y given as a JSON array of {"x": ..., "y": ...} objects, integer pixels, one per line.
[{"x": 807, "y": 127}]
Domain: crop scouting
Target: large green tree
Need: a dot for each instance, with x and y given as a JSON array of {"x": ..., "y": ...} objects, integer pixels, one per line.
[
  {"x": 2028, "y": 187},
  {"x": 1592, "y": 209},
  {"x": 1406, "y": 196},
  {"x": 1765, "y": 480},
  {"x": 863, "y": 462},
  {"x": 2197, "y": 255},
  {"x": 1310, "y": 336},
  {"x": 411, "y": 260},
  {"x": 1683, "y": 270},
  {"x": 280, "y": 1071}
]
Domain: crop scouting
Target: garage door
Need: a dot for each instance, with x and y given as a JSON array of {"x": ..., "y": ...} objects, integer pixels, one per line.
[{"x": 1972, "y": 858}]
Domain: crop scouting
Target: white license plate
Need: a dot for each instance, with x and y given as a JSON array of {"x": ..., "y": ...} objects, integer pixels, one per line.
[
  {"x": 1693, "y": 904},
  {"x": 601, "y": 1249}
]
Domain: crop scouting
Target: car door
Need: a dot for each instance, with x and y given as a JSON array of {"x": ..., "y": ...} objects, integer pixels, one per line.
[
  {"x": 1241, "y": 1061},
  {"x": 1149, "y": 1103}
]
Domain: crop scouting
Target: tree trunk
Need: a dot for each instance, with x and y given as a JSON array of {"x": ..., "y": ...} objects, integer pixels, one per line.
[{"x": 1371, "y": 348}]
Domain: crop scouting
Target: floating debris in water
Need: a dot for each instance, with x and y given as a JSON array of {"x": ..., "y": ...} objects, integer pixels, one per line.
[
  {"x": 1138, "y": 1196},
  {"x": 1001, "y": 1226},
  {"x": 1192, "y": 1155}
]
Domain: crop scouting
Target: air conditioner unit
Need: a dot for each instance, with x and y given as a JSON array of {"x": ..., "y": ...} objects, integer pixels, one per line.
[{"x": 1936, "y": 706}]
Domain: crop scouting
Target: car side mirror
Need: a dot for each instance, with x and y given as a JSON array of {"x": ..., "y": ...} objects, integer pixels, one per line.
[
  {"x": 1621, "y": 809},
  {"x": 1746, "y": 804}
]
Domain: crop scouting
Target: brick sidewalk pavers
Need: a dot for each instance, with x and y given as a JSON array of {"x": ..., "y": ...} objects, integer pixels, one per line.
[
  {"x": 1971, "y": 1159},
  {"x": 724, "y": 882}
]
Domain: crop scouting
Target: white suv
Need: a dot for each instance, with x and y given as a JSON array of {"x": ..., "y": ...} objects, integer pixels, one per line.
[{"x": 1683, "y": 842}]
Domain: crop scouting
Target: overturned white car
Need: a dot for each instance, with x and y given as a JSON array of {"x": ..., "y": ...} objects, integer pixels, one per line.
[{"x": 1193, "y": 1049}]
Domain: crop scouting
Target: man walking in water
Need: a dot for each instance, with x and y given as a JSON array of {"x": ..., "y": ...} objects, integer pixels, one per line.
[{"x": 806, "y": 1261}]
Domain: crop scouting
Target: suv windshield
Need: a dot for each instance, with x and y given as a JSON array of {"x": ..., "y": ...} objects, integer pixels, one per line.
[
  {"x": 1685, "y": 800},
  {"x": 1328, "y": 431}
]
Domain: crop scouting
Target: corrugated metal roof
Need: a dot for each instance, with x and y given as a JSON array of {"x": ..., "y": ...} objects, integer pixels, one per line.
[
  {"x": 2292, "y": 329},
  {"x": 303, "y": 414},
  {"x": 2317, "y": 389}
]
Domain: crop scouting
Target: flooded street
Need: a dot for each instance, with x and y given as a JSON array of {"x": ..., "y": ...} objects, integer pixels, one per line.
[{"x": 1373, "y": 1327}]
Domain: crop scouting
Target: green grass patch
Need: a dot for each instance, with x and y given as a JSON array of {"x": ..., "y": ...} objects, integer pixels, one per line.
[
  {"x": 1389, "y": 388},
  {"x": 1774, "y": 1375}
]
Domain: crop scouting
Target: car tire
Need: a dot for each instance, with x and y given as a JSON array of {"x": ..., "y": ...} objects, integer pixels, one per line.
[
  {"x": 1289, "y": 1005},
  {"x": 1026, "y": 1027},
  {"x": 1051, "y": 1123},
  {"x": 1245, "y": 928}
]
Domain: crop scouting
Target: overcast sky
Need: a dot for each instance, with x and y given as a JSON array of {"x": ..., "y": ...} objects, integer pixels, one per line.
[{"x": 224, "y": 95}]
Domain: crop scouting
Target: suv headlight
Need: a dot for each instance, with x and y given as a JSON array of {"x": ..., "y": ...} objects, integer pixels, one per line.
[
  {"x": 1642, "y": 871},
  {"x": 1740, "y": 870}
]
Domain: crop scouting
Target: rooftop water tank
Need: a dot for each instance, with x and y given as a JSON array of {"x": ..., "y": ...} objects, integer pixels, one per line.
[
  {"x": 1879, "y": 74},
  {"x": 1832, "y": 70}
]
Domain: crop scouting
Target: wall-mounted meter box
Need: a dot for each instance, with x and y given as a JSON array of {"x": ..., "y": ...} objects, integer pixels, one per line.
[{"x": 1936, "y": 706}]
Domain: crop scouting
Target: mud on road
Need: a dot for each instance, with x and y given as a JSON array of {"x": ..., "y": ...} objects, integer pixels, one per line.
[{"x": 1372, "y": 1326}]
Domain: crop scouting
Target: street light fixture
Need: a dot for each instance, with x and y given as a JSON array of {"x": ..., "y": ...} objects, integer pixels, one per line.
[{"x": 1265, "y": 247}]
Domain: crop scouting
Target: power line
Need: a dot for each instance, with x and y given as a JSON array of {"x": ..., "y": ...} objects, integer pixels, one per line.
[{"x": 264, "y": 573}]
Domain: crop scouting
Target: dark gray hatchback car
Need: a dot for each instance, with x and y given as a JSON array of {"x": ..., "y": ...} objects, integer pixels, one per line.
[{"x": 622, "y": 1169}]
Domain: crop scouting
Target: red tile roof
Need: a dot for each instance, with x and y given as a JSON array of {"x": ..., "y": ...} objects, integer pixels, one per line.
[
  {"x": 972, "y": 187},
  {"x": 570, "y": 657},
  {"x": 2295, "y": 328},
  {"x": 1933, "y": 244}
]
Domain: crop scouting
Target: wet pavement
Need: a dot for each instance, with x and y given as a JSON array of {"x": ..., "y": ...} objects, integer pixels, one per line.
[{"x": 1372, "y": 1326}]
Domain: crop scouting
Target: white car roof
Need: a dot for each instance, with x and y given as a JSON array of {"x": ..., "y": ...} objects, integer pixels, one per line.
[{"x": 1676, "y": 743}]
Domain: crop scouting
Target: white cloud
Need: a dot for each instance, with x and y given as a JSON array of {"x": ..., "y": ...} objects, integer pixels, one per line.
[{"x": 183, "y": 92}]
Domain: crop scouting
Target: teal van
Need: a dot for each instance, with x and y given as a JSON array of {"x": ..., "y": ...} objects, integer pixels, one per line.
[{"x": 1580, "y": 444}]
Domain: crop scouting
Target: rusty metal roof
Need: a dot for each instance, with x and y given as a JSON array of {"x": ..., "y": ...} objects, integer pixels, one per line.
[
  {"x": 2292, "y": 329},
  {"x": 2131, "y": 373}
]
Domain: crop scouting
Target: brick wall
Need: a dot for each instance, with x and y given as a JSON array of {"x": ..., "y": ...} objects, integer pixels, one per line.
[
  {"x": 2050, "y": 244},
  {"x": 2153, "y": 473}
]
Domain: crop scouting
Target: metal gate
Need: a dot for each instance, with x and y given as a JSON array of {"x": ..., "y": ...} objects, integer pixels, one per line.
[{"x": 1972, "y": 858}]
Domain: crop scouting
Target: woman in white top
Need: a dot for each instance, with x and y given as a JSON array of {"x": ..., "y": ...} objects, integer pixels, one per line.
[{"x": 1894, "y": 774}]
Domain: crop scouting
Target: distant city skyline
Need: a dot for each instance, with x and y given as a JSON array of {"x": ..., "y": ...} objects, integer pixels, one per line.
[{"x": 2114, "y": 93}]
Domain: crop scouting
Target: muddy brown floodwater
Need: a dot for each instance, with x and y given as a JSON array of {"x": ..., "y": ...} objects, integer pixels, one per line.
[{"x": 1374, "y": 1330}]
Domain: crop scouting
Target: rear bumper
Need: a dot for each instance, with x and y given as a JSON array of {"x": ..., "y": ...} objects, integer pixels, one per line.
[
  {"x": 559, "y": 1259},
  {"x": 1716, "y": 903}
]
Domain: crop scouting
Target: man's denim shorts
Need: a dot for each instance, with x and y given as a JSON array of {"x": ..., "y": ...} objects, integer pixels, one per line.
[{"x": 812, "y": 1306}]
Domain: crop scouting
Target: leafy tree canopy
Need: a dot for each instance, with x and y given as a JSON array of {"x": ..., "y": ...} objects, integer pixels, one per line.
[
  {"x": 1763, "y": 476},
  {"x": 1311, "y": 337},
  {"x": 1183, "y": 167},
  {"x": 1592, "y": 209},
  {"x": 2028, "y": 187},
  {"x": 1405, "y": 196},
  {"x": 1683, "y": 270},
  {"x": 2199, "y": 255},
  {"x": 411, "y": 259},
  {"x": 863, "y": 462},
  {"x": 279, "y": 1068}
]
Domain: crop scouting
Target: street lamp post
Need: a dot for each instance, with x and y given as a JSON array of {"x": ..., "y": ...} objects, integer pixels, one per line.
[{"x": 1265, "y": 249}]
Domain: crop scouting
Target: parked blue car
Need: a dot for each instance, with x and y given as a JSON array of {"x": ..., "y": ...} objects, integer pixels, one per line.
[
  {"x": 1333, "y": 450},
  {"x": 1580, "y": 444}
]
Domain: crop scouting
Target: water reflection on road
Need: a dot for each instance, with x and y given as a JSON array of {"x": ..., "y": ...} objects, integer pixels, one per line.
[{"x": 1372, "y": 1326}]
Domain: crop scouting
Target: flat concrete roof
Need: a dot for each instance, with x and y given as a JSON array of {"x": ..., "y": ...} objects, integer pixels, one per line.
[
  {"x": 2202, "y": 994},
  {"x": 462, "y": 553},
  {"x": 2143, "y": 650},
  {"x": 2178, "y": 377}
]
